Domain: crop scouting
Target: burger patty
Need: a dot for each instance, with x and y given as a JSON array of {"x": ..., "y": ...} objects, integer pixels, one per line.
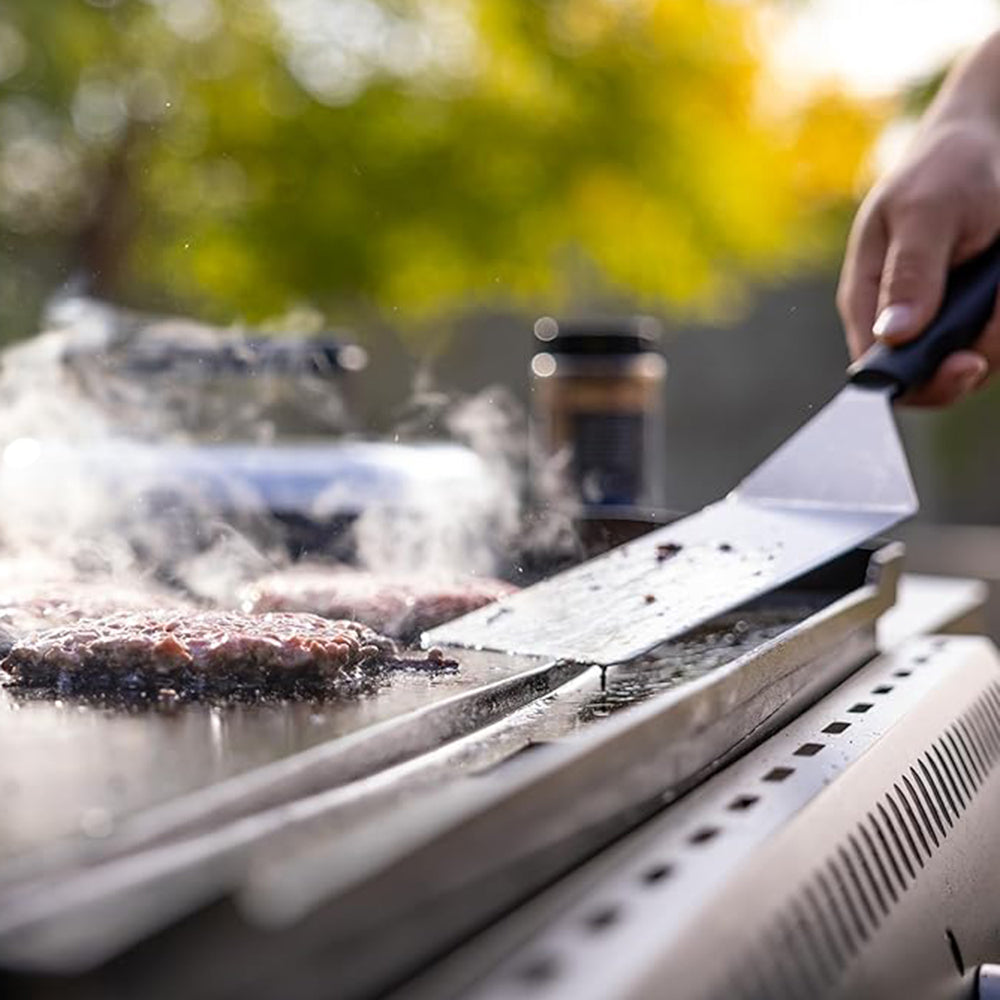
[
  {"x": 32, "y": 605},
  {"x": 203, "y": 651},
  {"x": 400, "y": 606}
]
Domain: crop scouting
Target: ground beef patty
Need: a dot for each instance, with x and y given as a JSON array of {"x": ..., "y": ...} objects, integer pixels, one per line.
[
  {"x": 205, "y": 651},
  {"x": 400, "y": 606},
  {"x": 32, "y": 605}
]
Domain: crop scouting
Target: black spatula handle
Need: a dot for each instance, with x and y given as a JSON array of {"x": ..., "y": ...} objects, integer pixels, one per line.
[{"x": 968, "y": 304}]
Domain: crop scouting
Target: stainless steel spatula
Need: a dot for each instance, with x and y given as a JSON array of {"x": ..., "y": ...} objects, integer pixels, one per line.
[{"x": 839, "y": 480}]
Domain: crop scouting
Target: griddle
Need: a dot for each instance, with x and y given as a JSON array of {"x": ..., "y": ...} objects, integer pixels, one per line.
[{"x": 525, "y": 752}]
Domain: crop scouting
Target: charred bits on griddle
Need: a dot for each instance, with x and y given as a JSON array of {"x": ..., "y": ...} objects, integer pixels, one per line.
[{"x": 667, "y": 550}]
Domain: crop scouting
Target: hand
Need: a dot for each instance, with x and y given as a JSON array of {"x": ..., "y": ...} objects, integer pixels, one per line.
[{"x": 939, "y": 208}]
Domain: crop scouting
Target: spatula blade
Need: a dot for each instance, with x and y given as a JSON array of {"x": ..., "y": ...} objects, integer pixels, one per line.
[
  {"x": 837, "y": 482},
  {"x": 848, "y": 456}
]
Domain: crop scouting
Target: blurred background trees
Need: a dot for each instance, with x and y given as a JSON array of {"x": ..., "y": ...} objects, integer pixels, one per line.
[
  {"x": 403, "y": 160},
  {"x": 432, "y": 174}
]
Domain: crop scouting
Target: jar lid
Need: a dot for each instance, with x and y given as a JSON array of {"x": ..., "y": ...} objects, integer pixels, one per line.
[{"x": 624, "y": 335}]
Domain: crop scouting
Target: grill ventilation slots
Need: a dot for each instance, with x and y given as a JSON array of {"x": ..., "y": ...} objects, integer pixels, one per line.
[{"x": 809, "y": 945}]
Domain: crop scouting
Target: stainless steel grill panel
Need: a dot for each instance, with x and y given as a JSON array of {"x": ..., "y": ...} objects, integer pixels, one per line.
[{"x": 882, "y": 882}]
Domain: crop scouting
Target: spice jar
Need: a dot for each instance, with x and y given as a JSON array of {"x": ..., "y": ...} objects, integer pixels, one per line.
[{"x": 597, "y": 389}]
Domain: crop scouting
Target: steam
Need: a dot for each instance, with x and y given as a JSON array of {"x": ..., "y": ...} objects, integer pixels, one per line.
[
  {"x": 82, "y": 494},
  {"x": 176, "y": 379},
  {"x": 49, "y": 511},
  {"x": 480, "y": 526},
  {"x": 99, "y": 479}
]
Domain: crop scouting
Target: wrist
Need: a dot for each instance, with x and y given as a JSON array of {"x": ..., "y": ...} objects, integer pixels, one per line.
[
  {"x": 964, "y": 137},
  {"x": 970, "y": 95}
]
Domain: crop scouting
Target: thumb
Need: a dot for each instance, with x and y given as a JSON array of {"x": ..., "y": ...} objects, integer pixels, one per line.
[{"x": 913, "y": 279}]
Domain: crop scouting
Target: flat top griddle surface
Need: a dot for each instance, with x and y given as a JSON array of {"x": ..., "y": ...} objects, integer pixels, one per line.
[
  {"x": 696, "y": 654},
  {"x": 77, "y": 768}
]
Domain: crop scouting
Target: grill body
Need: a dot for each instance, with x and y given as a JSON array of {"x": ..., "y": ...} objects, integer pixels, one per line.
[
  {"x": 854, "y": 854},
  {"x": 840, "y": 847}
]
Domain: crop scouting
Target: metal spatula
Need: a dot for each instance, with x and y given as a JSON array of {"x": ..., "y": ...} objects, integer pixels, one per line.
[{"x": 838, "y": 481}]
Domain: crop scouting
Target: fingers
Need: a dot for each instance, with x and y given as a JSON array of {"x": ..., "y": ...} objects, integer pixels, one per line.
[
  {"x": 939, "y": 208},
  {"x": 914, "y": 273},
  {"x": 891, "y": 288},
  {"x": 965, "y": 371},
  {"x": 860, "y": 278},
  {"x": 988, "y": 344},
  {"x": 958, "y": 375}
]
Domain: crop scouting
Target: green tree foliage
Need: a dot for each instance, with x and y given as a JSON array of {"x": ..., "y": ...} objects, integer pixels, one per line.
[{"x": 233, "y": 158}]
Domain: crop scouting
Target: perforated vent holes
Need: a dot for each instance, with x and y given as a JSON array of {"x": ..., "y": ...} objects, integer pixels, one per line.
[{"x": 808, "y": 946}]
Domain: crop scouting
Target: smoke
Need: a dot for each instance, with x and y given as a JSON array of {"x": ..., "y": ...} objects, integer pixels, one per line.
[
  {"x": 48, "y": 507},
  {"x": 176, "y": 379},
  {"x": 485, "y": 523},
  {"x": 99, "y": 476},
  {"x": 82, "y": 493}
]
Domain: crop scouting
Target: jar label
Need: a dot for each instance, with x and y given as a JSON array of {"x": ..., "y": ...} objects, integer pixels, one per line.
[{"x": 608, "y": 457}]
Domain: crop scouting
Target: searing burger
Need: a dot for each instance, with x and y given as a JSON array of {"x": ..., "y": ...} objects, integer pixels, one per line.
[
  {"x": 32, "y": 605},
  {"x": 199, "y": 651},
  {"x": 401, "y": 606}
]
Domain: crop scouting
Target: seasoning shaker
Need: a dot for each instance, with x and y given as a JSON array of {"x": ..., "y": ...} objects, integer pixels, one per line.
[{"x": 597, "y": 392}]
